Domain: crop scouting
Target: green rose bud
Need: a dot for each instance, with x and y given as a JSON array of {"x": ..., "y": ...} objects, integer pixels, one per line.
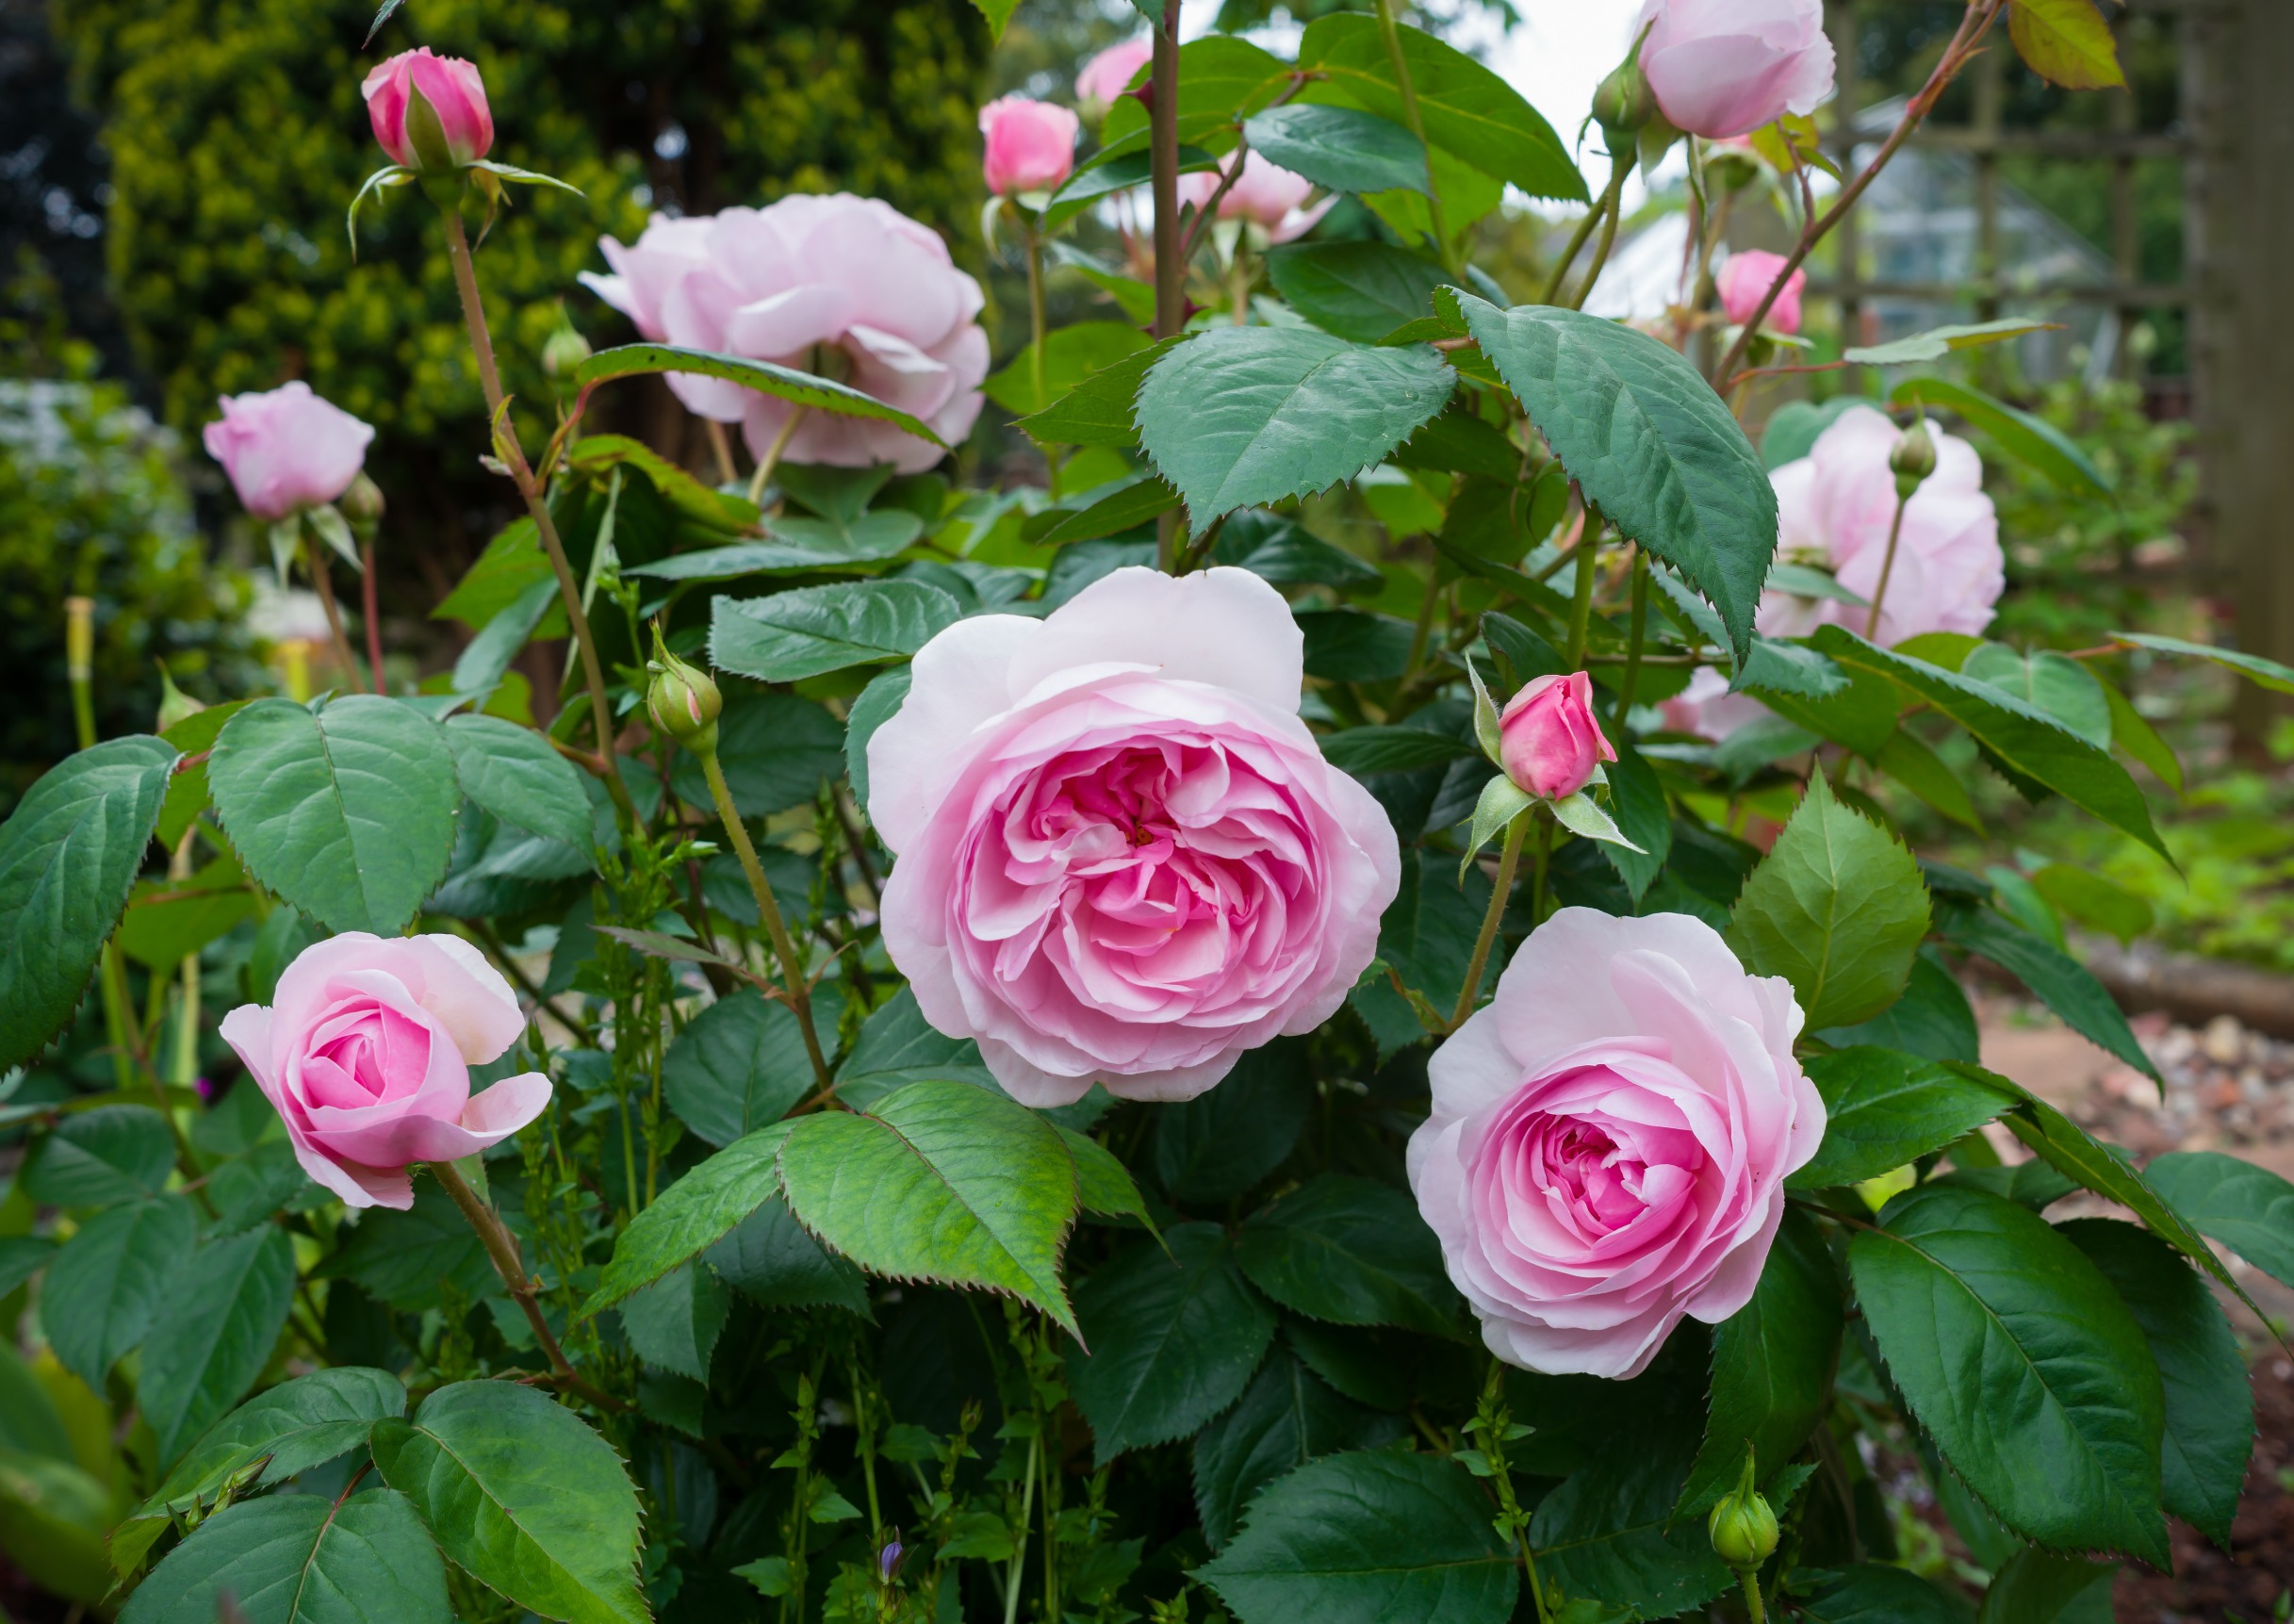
[
  {"x": 361, "y": 505},
  {"x": 1743, "y": 1528},
  {"x": 682, "y": 699},
  {"x": 174, "y": 704},
  {"x": 564, "y": 349},
  {"x": 1913, "y": 459},
  {"x": 1622, "y": 102}
]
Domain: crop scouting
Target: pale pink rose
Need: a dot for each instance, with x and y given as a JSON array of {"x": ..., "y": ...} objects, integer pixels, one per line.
[
  {"x": 1548, "y": 739},
  {"x": 1610, "y": 1139},
  {"x": 1108, "y": 75},
  {"x": 1122, "y": 856},
  {"x": 366, "y": 1055},
  {"x": 1834, "y": 509},
  {"x": 1707, "y": 709},
  {"x": 842, "y": 286},
  {"x": 1030, "y": 145},
  {"x": 1266, "y": 196},
  {"x": 454, "y": 89},
  {"x": 1745, "y": 280},
  {"x": 1721, "y": 68},
  {"x": 287, "y": 449}
]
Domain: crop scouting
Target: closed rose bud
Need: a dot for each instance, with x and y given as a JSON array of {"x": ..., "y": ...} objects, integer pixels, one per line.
[
  {"x": 1912, "y": 460},
  {"x": 1721, "y": 68},
  {"x": 454, "y": 132},
  {"x": 362, "y": 504},
  {"x": 1622, "y": 102},
  {"x": 1031, "y": 145},
  {"x": 1547, "y": 740},
  {"x": 1745, "y": 280},
  {"x": 1743, "y": 1527},
  {"x": 564, "y": 351},
  {"x": 683, "y": 701}
]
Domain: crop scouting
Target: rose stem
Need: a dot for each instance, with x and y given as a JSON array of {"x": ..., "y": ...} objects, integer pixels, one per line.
[
  {"x": 1444, "y": 249},
  {"x": 1612, "y": 205},
  {"x": 1880, "y": 593},
  {"x": 1631, "y": 679},
  {"x": 502, "y": 1247},
  {"x": 368, "y": 591},
  {"x": 1581, "y": 604},
  {"x": 1509, "y": 859},
  {"x": 784, "y": 949},
  {"x": 771, "y": 460},
  {"x": 505, "y": 442},
  {"x": 326, "y": 601},
  {"x": 1170, "y": 263}
]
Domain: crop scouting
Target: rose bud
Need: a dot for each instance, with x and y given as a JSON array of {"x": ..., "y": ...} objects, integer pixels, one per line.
[
  {"x": 366, "y": 1054},
  {"x": 1031, "y": 145},
  {"x": 1913, "y": 459},
  {"x": 1721, "y": 68},
  {"x": 1745, "y": 280},
  {"x": 1547, "y": 740},
  {"x": 682, "y": 700},
  {"x": 1743, "y": 1527},
  {"x": 456, "y": 129},
  {"x": 287, "y": 449}
]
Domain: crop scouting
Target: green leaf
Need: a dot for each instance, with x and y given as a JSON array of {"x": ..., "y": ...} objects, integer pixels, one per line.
[
  {"x": 693, "y": 1215},
  {"x": 2068, "y": 43},
  {"x": 1465, "y": 108},
  {"x": 1918, "y": 769},
  {"x": 775, "y": 749},
  {"x": 2209, "y": 1402},
  {"x": 513, "y": 773},
  {"x": 1221, "y": 80},
  {"x": 1343, "y": 149},
  {"x": 223, "y": 1313},
  {"x": 1353, "y": 644},
  {"x": 1499, "y": 803},
  {"x": 1609, "y": 1530},
  {"x": 2059, "y": 982},
  {"x": 674, "y": 1324},
  {"x": 877, "y": 704},
  {"x": 524, "y": 1496},
  {"x": 1351, "y": 1251},
  {"x": 738, "y": 1066},
  {"x": 1358, "y": 291},
  {"x": 21, "y": 1258},
  {"x": 67, "y": 855},
  {"x": 2247, "y": 1208},
  {"x": 1216, "y": 1146},
  {"x": 815, "y": 630},
  {"x": 2024, "y": 737},
  {"x": 2033, "y": 441},
  {"x": 1837, "y": 908},
  {"x": 169, "y": 920},
  {"x": 348, "y": 812},
  {"x": 1366, "y": 1539},
  {"x": 898, "y": 1047},
  {"x": 405, "y": 1258},
  {"x": 1287, "y": 1417},
  {"x": 481, "y": 663},
  {"x": 2263, "y": 673},
  {"x": 1281, "y": 552},
  {"x": 2140, "y": 741},
  {"x": 1360, "y": 751},
  {"x": 1581, "y": 814},
  {"x": 272, "y": 1436},
  {"x": 107, "y": 1282},
  {"x": 770, "y": 1259},
  {"x": 1647, "y": 440},
  {"x": 1174, "y": 1334},
  {"x": 93, "y": 1158},
  {"x": 1425, "y": 939},
  {"x": 1772, "y": 1366},
  {"x": 798, "y": 546},
  {"x": 2022, "y": 1363},
  {"x": 2045, "y": 1587},
  {"x": 1938, "y": 342},
  {"x": 1098, "y": 411},
  {"x": 1245, "y": 416},
  {"x": 1104, "y": 1182},
  {"x": 1070, "y": 354},
  {"x": 1111, "y": 515},
  {"x": 939, "y": 1181},
  {"x": 999, "y": 13},
  {"x": 765, "y": 377},
  {"x": 301, "y": 1559},
  {"x": 1644, "y": 816},
  {"x": 1876, "y": 1593},
  {"x": 1795, "y": 427},
  {"x": 2048, "y": 682},
  {"x": 1884, "y": 1108},
  {"x": 596, "y": 456},
  {"x": 1112, "y": 169}
]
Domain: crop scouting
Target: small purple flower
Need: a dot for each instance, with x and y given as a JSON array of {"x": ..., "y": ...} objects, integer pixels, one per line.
[
  {"x": 206, "y": 1090},
  {"x": 888, "y": 1560}
]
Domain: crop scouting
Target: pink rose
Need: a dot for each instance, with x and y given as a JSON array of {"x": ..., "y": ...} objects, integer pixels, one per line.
[
  {"x": 1707, "y": 709},
  {"x": 1108, "y": 75},
  {"x": 1720, "y": 68},
  {"x": 839, "y": 285},
  {"x": 1123, "y": 857},
  {"x": 1610, "y": 1139},
  {"x": 455, "y": 93},
  {"x": 287, "y": 449},
  {"x": 366, "y": 1055},
  {"x": 1548, "y": 739},
  {"x": 1745, "y": 281},
  {"x": 1835, "y": 506},
  {"x": 1266, "y": 195},
  {"x": 1031, "y": 145}
]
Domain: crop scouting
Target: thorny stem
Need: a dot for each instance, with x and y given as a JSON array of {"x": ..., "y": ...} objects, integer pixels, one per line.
[
  {"x": 784, "y": 947},
  {"x": 506, "y": 442},
  {"x": 1444, "y": 249},
  {"x": 1880, "y": 593},
  {"x": 1170, "y": 263},
  {"x": 502, "y": 1247},
  {"x": 1509, "y": 859},
  {"x": 325, "y": 586},
  {"x": 1979, "y": 17},
  {"x": 771, "y": 460},
  {"x": 1752, "y": 1576}
]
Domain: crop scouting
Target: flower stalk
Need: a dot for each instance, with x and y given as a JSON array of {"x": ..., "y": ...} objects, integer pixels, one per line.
[{"x": 501, "y": 1250}]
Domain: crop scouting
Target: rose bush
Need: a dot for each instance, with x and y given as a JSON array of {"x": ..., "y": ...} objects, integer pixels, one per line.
[{"x": 987, "y": 1051}]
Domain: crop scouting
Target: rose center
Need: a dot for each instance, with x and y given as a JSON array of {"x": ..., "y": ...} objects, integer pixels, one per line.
[{"x": 365, "y": 1056}]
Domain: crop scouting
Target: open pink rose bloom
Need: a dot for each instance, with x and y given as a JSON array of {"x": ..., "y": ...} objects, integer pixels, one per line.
[
  {"x": 1721, "y": 68},
  {"x": 366, "y": 1054},
  {"x": 1610, "y": 1139},
  {"x": 287, "y": 448},
  {"x": 1122, "y": 856}
]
